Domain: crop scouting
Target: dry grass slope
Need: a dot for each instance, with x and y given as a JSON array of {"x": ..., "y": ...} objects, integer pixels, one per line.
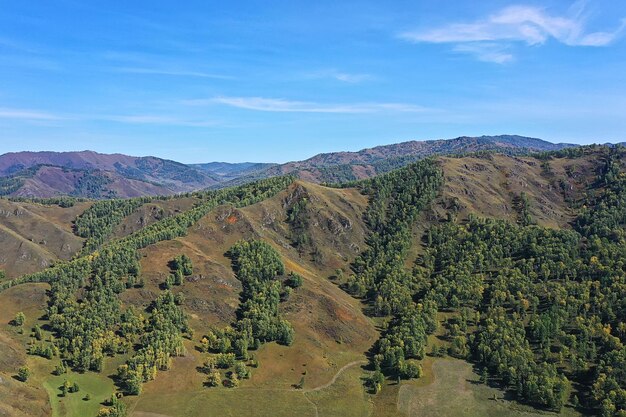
[
  {"x": 17, "y": 398},
  {"x": 489, "y": 186},
  {"x": 32, "y": 236},
  {"x": 331, "y": 330}
]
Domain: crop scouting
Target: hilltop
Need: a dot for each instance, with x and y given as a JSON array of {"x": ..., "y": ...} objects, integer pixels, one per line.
[
  {"x": 100, "y": 176},
  {"x": 338, "y": 167},
  {"x": 489, "y": 185}
]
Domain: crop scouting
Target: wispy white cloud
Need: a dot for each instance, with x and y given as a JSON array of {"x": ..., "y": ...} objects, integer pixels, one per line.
[
  {"x": 171, "y": 72},
  {"x": 525, "y": 24},
  {"x": 37, "y": 116},
  {"x": 28, "y": 115},
  {"x": 147, "y": 119},
  {"x": 346, "y": 77},
  {"x": 351, "y": 78},
  {"x": 486, "y": 51},
  {"x": 130, "y": 62},
  {"x": 283, "y": 105}
]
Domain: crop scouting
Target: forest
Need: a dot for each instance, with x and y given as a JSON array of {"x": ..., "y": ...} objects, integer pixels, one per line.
[
  {"x": 541, "y": 310},
  {"x": 380, "y": 276}
]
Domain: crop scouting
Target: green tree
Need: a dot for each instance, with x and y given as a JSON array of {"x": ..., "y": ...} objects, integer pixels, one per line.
[
  {"x": 242, "y": 370},
  {"x": 295, "y": 280},
  {"x": 23, "y": 373},
  {"x": 214, "y": 379},
  {"x": 233, "y": 380},
  {"x": 19, "y": 319}
]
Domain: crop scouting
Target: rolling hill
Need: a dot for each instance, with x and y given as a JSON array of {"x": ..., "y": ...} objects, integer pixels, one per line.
[
  {"x": 94, "y": 175},
  {"x": 34, "y": 236},
  {"x": 319, "y": 233}
]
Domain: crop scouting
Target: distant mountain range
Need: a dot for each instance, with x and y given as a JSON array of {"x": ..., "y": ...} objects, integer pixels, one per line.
[
  {"x": 226, "y": 171},
  {"x": 94, "y": 175},
  {"x": 347, "y": 166}
]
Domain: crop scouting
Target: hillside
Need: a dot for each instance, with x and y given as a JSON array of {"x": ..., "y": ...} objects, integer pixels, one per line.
[
  {"x": 422, "y": 149},
  {"x": 44, "y": 181},
  {"x": 335, "y": 335},
  {"x": 492, "y": 186},
  {"x": 338, "y": 167},
  {"x": 489, "y": 185},
  {"x": 212, "y": 292},
  {"x": 423, "y": 257},
  {"x": 33, "y": 236},
  {"x": 95, "y": 175}
]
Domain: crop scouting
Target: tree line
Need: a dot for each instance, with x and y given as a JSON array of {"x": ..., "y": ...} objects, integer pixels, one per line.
[
  {"x": 380, "y": 277},
  {"x": 170, "y": 227}
]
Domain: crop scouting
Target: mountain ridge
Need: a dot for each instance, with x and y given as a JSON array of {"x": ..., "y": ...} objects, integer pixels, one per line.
[
  {"x": 347, "y": 166},
  {"x": 132, "y": 176},
  {"x": 101, "y": 175},
  {"x": 407, "y": 146}
]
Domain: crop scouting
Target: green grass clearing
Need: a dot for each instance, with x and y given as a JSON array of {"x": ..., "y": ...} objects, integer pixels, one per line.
[
  {"x": 456, "y": 391},
  {"x": 98, "y": 385}
]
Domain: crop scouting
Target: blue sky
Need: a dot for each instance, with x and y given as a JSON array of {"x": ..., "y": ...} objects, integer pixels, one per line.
[{"x": 200, "y": 81}]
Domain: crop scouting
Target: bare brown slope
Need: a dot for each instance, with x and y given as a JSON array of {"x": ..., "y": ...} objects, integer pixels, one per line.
[
  {"x": 491, "y": 186},
  {"x": 152, "y": 212},
  {"x": 331, "y": 329},
  {"x": 32, "y": 236}
]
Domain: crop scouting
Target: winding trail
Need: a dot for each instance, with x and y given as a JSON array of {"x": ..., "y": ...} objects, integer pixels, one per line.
[
  {"x": 304, "y": 392},
  {"x": 328, "y": 384},
  {"x": 317, "y": 413},
  {"x": 337, "y": 375}
]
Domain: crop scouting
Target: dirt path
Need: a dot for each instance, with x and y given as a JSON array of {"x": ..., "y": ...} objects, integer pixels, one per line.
[
  {"x": 304, "y": 392},
  {"x": 337, "y": 375},
  {"x": 329, "y": 383},
  {"x": 317, "y": 413}
]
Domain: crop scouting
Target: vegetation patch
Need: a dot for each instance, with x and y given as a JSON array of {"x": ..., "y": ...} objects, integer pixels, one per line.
[{"x": 257, "y": 265}]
